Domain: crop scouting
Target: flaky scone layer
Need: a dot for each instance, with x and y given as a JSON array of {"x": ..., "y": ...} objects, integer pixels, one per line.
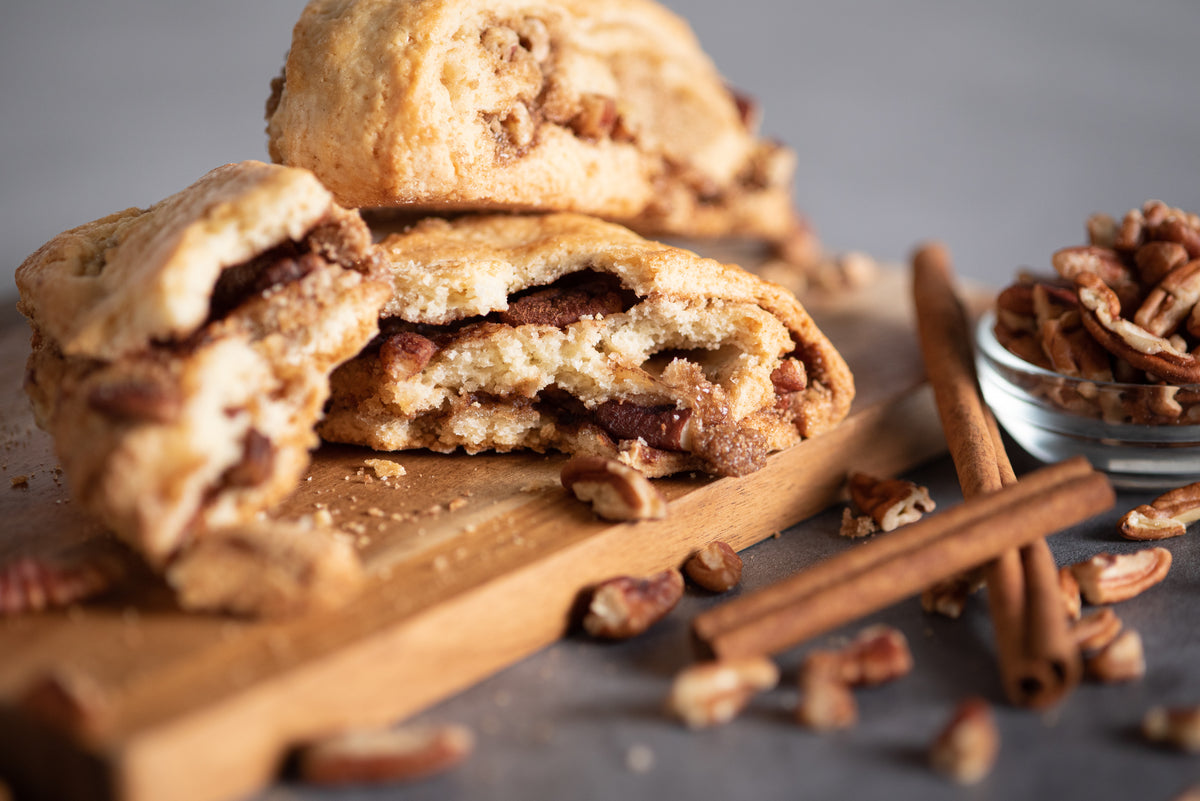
[
  {"x": 608, "y": 107},
  {"x": 562, "y": 331}
]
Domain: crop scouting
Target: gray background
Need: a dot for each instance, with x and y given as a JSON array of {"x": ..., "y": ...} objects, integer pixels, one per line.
[{"x": 996, "y": 127}]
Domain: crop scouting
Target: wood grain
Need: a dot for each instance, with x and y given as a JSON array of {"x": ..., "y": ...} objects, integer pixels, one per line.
[{"x": 474, "y": 563}]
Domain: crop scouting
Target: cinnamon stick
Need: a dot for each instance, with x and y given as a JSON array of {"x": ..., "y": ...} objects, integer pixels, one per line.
[
  {"x": 1039, "y": 663},
  {"x": 875, "y": 575}
]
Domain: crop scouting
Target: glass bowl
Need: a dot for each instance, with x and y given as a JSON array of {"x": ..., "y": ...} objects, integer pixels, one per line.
[{"x": 1054, "y": 417}]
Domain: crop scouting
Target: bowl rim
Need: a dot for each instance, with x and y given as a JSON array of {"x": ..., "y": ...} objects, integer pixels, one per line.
[{"x": 988, "y": 346}]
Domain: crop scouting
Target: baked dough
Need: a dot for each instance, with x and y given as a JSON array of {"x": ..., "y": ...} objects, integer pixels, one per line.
[
  {"x": 607, "y": 107},
  {"x": 181, "y": 353},
  {"x": 564, "y": 332}
]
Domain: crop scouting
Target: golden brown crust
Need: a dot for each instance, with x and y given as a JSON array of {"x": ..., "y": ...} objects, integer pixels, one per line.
[{"x": 607, "y": 107}]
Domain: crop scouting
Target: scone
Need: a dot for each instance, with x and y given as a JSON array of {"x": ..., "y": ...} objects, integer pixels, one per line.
[
  {"x": 564, "y": 332},
  {"x": 606, "y": 107},
  {"x": 181, "y": 353}
]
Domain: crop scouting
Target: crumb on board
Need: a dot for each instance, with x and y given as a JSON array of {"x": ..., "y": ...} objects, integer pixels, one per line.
[
  {"x": 385, "y": 468},
  {"x": 20, "y": 481}
]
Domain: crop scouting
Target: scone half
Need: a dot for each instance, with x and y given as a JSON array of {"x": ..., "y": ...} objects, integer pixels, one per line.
[
  {"x": 181, "y": 353},
  {"x": 564, "y": 332}
]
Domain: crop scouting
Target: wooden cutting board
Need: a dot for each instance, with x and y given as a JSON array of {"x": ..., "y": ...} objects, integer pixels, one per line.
[{"x": 474, "y": 563}]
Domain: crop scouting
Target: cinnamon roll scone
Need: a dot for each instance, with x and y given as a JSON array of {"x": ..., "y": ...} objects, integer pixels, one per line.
[
  {"x": 564, "y": 332},
  {"x": 181, "y": 353},
  {"x": 606, "y": 107}
]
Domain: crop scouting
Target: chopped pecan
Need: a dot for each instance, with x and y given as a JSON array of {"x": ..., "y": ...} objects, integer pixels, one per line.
[
  {"x": 1166, "y": 516},
  {"x": 559, "y": 306},
  {"x": 405, "y": 354},
  {"x": 715, "y": 567},
  {"x": 596, "y": 119},
  {"x": 625, "y": 606},
  {"x": 826, "y": 702},
  {"x": 891, "y": 503},
  {"x": 389, "y": 755},
  {"x": 1122, "y": 659},
  {"x": 789, "y": 376},
  {"x": 1096, "y": 630},
  {"x": 1178, "y": 727},
  {"x": 616, "y": 491},
  {"x": 712, "y": 693},
  {"x": 878, "y": 654},
  {"x": 949, "y": 597},
  {"x": 967, "y": 747},
  {"x": 257, "y": 464},
  {"x": 662, "y": 427},
  {"x": 137, "y": 400},
  {"x": 1110, "y": 578}
]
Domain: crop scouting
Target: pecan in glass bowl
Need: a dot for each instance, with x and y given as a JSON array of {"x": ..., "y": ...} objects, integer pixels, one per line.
[{"x": 1103, "y": 359}]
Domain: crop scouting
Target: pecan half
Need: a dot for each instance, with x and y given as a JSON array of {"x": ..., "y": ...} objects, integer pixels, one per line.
[
  {"x": 967, "y": 747},
  {"x": 1110, "y": 578},
  {"x": 1155, "y": 260},
  {"x": 662, "y": 427},
  {"x": 1178, "y": 727},
  {"x": 616, "y": 491},
  {"x": 1166, "y": 516},
  {"x": 390, "y": 755},
  {"x": 1170, "y": 302},
  {"x": 715, "y": 567},
  {"x": 712, "y": 693},
  {"x": 137, "y": 400},
  {"x": 1122, "y": 659},
  {"x": 892, "y": 502},
  {"x": 1104, "y": 263},
  {"x": 625, "y": 606},
  {"x": 1101, "y": 314},
  {"x": 561, "y": 306}
]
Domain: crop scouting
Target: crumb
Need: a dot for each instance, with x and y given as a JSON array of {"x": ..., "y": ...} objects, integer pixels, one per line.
[
  {"x": 855, "y": 526},
  {"x": 375, "y": 511},
  {"x": 20, "y": 481},
  {"x": 456, "y": 504},
  {"x": 385, "y": 468},
  {"x": 441, "y": 563},
  {"x": 639, "y": 759}
]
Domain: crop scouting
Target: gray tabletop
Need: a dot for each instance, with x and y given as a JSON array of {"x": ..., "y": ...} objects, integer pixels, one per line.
[{"x": 994, "y": 127}]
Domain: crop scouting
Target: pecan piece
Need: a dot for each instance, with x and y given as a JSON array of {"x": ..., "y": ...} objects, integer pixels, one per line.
[
  {"x": 625, "y": 606},
  {"x": 390, "y": 755},
  {"x": 662, "y": 427},
  {"x": 891, "y": 503},
  {"x": 789, "y": 376},
  {"x": 257, "y": 464},
  {"x": 560, "y": 306},
  {"x": 1106, "y": 264},
  {"x": 1154, "y": 260},
  {"x": 878, "y": 654},
  {"x": 137, "y": 400},
  {"x": 1166, "y": 516},
  {"x": 826, "y": 702},
  {"x": 1122, "y": 659},
  {"x": 967, "y": 747},
  {"x": 31, "y": 584},
  {"x": 715, "y": 567},
  {"x": 949, "y": 597},
  {"x": 712, "y": 693},
  {"x": 405, "y": 354},
  {"x": 1110, "y": 578},
  {"x": 596, "y": 118},
  {"x": 1096, "y": 630},
  {"x": 1170, "y": 301},
  {"x": 616, "y": 491},
  {"x": 1178, "y": 727},
  {"x": 1068, "y": 587}
]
